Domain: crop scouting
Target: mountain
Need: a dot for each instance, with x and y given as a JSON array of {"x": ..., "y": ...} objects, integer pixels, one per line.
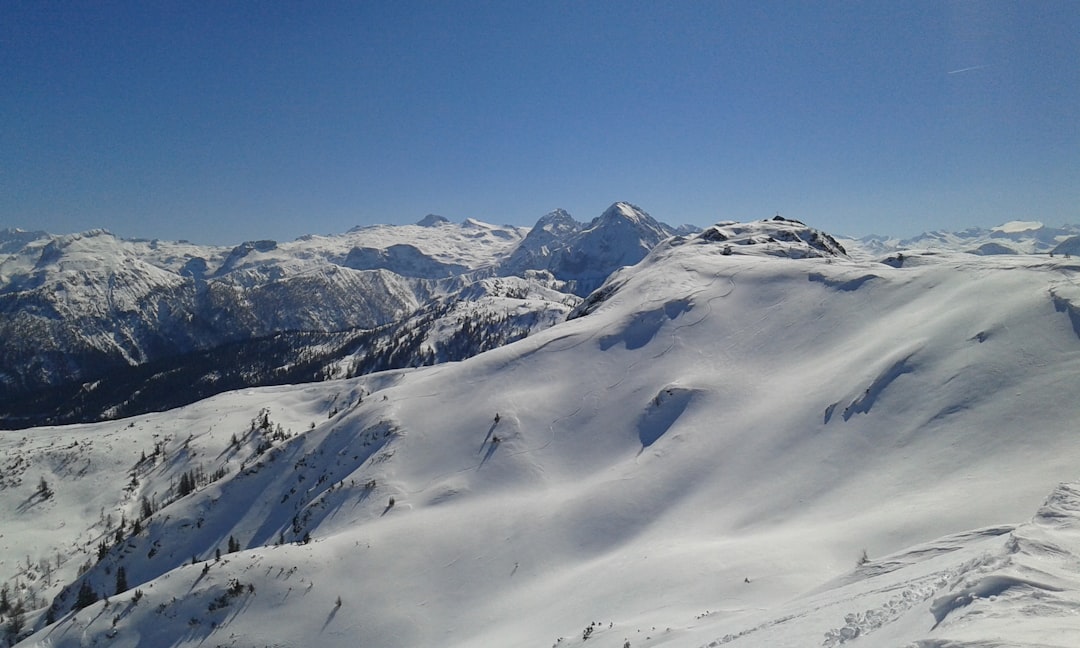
[
  {"x": 1014, "y": 237},
  {"x": 84, "y": 317},
  {"x": 584, "y": 255},
  {"x": 749, "y": 438}
]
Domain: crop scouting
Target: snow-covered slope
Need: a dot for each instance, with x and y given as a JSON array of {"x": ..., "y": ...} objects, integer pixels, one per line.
[
  {"x": 700, "y": 458},
  {"x": 483, "y": 315}
]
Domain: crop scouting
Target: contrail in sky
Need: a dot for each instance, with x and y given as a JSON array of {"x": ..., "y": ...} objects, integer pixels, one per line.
[{"x": 968, "y": 69}]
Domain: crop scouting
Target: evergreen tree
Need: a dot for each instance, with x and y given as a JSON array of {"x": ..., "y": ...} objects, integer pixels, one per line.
[
  {"x": 5, "y": 604},
  {"x": 121, "y": 580},
  {"x": 16, "y": 623},
  {"x": 87, "y": 596}
]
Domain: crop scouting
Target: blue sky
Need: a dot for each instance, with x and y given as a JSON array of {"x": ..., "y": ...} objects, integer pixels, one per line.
[{"x": 220, "y": 122}]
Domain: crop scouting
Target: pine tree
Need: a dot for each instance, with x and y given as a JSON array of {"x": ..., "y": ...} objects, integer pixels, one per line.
[
  {"x": 5, "y": 604},
  {"x": 15, "y": 623},
  {"x": 187, "y": 485},
  {"x": 87, "y": 596},
  {"x": 121, "y": 580}
]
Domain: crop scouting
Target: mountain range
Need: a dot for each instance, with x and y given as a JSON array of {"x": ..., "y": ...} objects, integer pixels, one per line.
[
  {"x": 93, "y": 326},
  {"x": 758, "y": 434}
]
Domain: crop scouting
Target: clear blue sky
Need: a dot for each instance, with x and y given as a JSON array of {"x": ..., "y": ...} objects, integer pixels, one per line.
[{"x": 220, "y": 122}]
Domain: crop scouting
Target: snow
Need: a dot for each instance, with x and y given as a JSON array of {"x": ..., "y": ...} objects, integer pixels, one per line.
[
  {"x": 699, "y": 458},
  {"x": 1015, "y": 237},
  {"x": 1018, "y": 226},
  {"x": 78, "y": 306}
]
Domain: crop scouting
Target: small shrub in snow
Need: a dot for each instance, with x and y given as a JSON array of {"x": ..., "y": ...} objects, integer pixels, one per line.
[
  {"x": 235, "y": 589},
  {"x": 44, "y": 490}
]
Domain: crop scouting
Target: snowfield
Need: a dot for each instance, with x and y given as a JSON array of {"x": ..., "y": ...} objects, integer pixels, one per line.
[{"x": 747, "y": 439}]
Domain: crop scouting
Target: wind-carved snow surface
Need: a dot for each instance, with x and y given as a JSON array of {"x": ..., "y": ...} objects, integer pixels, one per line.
[{"x": 660, "y": 470}]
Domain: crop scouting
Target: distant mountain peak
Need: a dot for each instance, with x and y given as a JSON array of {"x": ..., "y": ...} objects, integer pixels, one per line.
[
  {"x": 432, "y": 220},
  {"x": 474, "y": 223},
  {"x": 557, "y": 222},
  {"x": 584, "y": 255},
  {"x": 622, "y": 210},
  {"x": 1018, "y": 226}
]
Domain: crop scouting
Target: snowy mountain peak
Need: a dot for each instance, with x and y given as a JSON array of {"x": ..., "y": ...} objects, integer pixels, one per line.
[
  {"x": 13, "y": 239},
  {"x": 476, "y": 224},
  {"x": 432, "y": 220},
  {"x": 558, "y": 222},
  {"x": 1018, "y": 226},
  {"x": 625, "y": 212},
  {"x": 245, "y": 253},
  {"x": 585, "y": 255}
]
